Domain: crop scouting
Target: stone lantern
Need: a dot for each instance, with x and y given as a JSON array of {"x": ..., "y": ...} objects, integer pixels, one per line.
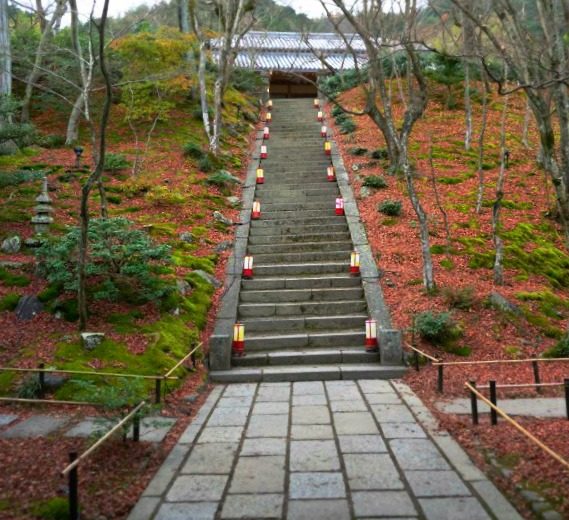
[{"x": 42, "y": 218}]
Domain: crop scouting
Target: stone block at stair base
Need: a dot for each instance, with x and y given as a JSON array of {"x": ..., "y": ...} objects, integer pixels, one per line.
[
  {"x": 390, "y": 347},
  {"x": 220, "y": 352}
]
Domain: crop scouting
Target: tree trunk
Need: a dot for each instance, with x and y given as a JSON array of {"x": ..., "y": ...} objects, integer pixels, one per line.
[
  {"x": 183, "y": 16},
  {"x": 5, "y": 52},
  {"x": 480, "y": 194},
  {"x": 525, "y": 129},
  {"x": 467, "y": 107},
  {"x": 438, "y": 201},
  {"x": 203, "y": 92},
  {"x": 72, "y": 134}
]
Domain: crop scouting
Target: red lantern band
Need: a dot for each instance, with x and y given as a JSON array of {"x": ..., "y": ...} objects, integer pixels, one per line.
[
  {"x": 316, "y": 103},
  {"x": 248, "y": 267},
  {"x": 355, "y": 263},
  {"x": 256, "y": 213},
  {"x": 266, "y": 133},
  {"x": 260, "y": 176},
  {"x": 339, "y": 206},
  {"x": 238, "y": 344},
  {"x": 264, "y": 153},
  {"x": 371, "y": 336},
  {"x": 323, "y": 131},
  {"x": 320, "y": 116},
  {"x": 331, "y": 174},
  {"x": 328, "y": 148}
]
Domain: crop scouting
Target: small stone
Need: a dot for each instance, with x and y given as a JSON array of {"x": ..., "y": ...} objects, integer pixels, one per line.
[
  {"x": 187, "y": 237},
  {"x": 500, "y": 302},
  {"x": 12, "y": 265},
  {"x": 52, "y": 382},
  {"x": 91, "y": 340},
  {"x": 58, "y": 315},
  {"x": 32, "y": 242},
  {"x": 355, "y": 168},
  {"x": 233, "y": 201},
  {"x": 190, "y": 398},
  {"x": 11, "y": 245},
  {"x": 531, "y": 496},
  {"x": 183, "y": 287},
  {"x": 551, "y": 515},
  {"x": 28, "y": 307},
  {"x": 218, "y": 217},
  {"x": 540, "y": 507},
  {"x": 365, "y": 192},
  {"x": 225, "y": 245},
  {"x": 208, "y": 278}
]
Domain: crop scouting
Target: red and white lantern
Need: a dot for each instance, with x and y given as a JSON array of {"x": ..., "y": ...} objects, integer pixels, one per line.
[
  {"x": 260, "y": 176},
  {"x": 331, "y": 173},
  {"x": 339, "y": 206},
  {"x": 266, "y": 133},
  {"x": 264, "y": 153},
  {"x": 238, "y": 345},
  {"x": 371, "y": 336},
  {"x": 269, "y": 104},
  {"x": 355, "y": 263},
  {"x": 327, "y": 147},
  {"x": 248, "y": 267},
  {"x": 268, "y": 118},
  {"x": 320, "y": 116},
  {"x": 256, "y": 213},
  {"x": 316, "y": 103},
  {"x": 323, "y": 131}
]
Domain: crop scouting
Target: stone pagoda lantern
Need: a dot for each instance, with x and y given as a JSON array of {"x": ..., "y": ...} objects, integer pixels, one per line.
[{"x": 42, "y": 218}]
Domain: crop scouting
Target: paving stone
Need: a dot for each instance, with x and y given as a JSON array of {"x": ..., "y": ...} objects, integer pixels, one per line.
[
  {"x": 169, "y": 468},
  {"x": 244, "y": 401},
  {"x": 268, "y": 426},
  {"x": 154, "y": 429},
  {"x": 458, "y": 457},
  {"x": 187, "y": 511},
  {"x": 314, "y": 456},
  {"x": 6, "y": 419},
  {"x": 89, "y": 426},
  {"x": 356, "y": 423},
  {"x": 370, "y": 386},
  {"x": 253, "y": 506},
  {"x": 270, "y": 408},
  {"x": 144, "y": 508},
  {"x": 213, "y": 458},
  {"x": 197, "y": 488},
  {"x": 417, "y": 454},
  {"x": 383, "y": 399},
  {"x": 383, "y": 503},
  {"x": 392, "y": 413},
  {"x": 453, "y": 509},
  {"x": 309, "y": 399},
  {"x": 371, "y": 471},
  {"x": 221, "y": 434},
  {"x": 316, "y": 485},
  {"x": 240, "y": 390},
  {"x": 228, "y": 417},
  {"x": 402, "y": 431},
  {"x": 497, "y": 503},
  {"x": 318, "y": 510},
  {"x": 190, "y": 433},
  {"x": 260, "y": 446},
  {"x": 308, "y": 387},
  {"x": 361, "y": 444},
  {"x": 436, "y": 484},
  {"x": 259, "y": 475},
  {"x": 310, "y": 415},
  {"x": 311, "y": 431},
  {"x": 353, "y": 405},
  {"x": 35, "y": 426},
  {"x": 278, "y": 393}
]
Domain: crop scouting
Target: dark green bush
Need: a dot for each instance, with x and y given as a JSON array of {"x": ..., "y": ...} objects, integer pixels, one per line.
[
  {"x": 13, "y": 280},
  {"x": 115, "y": 161},
  {"x": 342, "y": 118},
  {"x": 9, "y": 302},
  {"x": 380, "y": 153},
  {"x": 205, "y": 164},
  {"x": 348, "y": 127},
  {"x": 51, "y": 141},
  {"x": 19, "y": 177},
  {"x": 337, "y": 111},
  {"x": 223, "y": 179},
  {"x": 390, "y": 207},
  {"x": 193, "y": 150},
  {"x": 30, "y": 387},
  {"x": 114, "y": 199},
  {"x": 560, "y": 350},
  {"x": 436, "y": 327},
  {"x": 459, "y": 297},
  {"x": 375, "y": 181},
  {"x": 357, "y": 151}
]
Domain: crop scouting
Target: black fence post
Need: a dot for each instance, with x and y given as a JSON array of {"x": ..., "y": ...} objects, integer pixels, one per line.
[
  {"x": 440, "y": 379},
  {"x": 41, "y": 379},
  {"x": 73, "y": 489},
  {"x": 536, "y": 375},
  {"x": 136, "y": 428},
  {"x": 158, "y": 391},
  {"x": 474, "y": 403},
  {"x": 416, "y": 359},
  {"x": 494, "y": 400},
  {"x": 567, "y": 397},
  {"x": 193, "y": 360}
]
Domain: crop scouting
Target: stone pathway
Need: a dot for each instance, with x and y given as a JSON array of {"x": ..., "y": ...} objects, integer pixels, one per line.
[
  {"x": 552, "y": 407},
  {"x": 152, "y": 429},
  {"x": 311, "y": 450}
]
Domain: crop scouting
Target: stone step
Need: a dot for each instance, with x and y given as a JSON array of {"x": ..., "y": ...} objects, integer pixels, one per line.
[
  {"x": 321, "y": 212},
  {"x": 372, "y": 370},
  {"x": 313, "y": 356},
  {"x": 299, "y": 239},
  {"x": 296, "y": 282},
  {"x": 302, "y": 295},
  {"x": 279, "y": 186},
  {"x": 295, "y": 206},
  {"x": 283, "y": 165},
  {"x": 328, "y": 338},
  {"x": 316, "y": 179},
  {"x": 345, "y": 245},
  {"x": 265, "y": 310},
  {"x": 300, "y": 220},
  {"x": 332, "y": 227},
  {"x": 300, "y": 257},
  {"x": 304, "y": 323},
  {"x": 304, "y": 268},
  {"x": 277, "y": 195},
  {"x": 309, "y": 200}
]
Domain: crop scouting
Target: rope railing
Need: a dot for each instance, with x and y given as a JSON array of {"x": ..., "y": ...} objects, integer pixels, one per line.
[{"x": 475, "y": 395}]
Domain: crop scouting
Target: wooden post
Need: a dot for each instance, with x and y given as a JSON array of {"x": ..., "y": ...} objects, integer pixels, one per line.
[
  {"x": 440, "y": 379},
  {"x": 536, "y": 375},
  {"x": 73, "y": 480},
  {"x": 494, "y": 401},
  {"x": 474, "y": 404}
]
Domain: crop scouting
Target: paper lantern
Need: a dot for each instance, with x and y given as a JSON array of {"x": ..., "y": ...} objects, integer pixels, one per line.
[
  {"x": 260, "y": 176},
  {"x": 323, "y": 131},
  {"x": 268, "y": 118},
  {"x": 248, "y": 267},
  {"x": 320, "y": 116},
  {"x": 316, "y": 103},
  {"x": 269, "y": 104},
  {"x": 355, "y": 263},
  {"x": 256, "y": 213},
  {"x": 339, "y": 206},
  {"x": 266, "y": 133},
  {"x": 331, "y": 173},
  {"x": 264, "y": 153},
  {"x": 371, "y": 336},
  {"x": 238, "y": 345},
  {"x": 327, "y": 147}
]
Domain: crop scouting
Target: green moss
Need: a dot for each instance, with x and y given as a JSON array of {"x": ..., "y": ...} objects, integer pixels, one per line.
[
  {"x": 509, "y": 204},
  {"x": 389, "y": 221},
  {"x": 458, "y": 350},
  {"x": 9, "y": 302},
  {"x": 6, "y": 381},
  {"x": 205, "y": 263},
  {"x": 450, "y": 180},
  {"x": 161, "y": 229},
  {"x": 199, "y": 231},
  {"x": 124, "y": 322},
  {"x": 447, "y": 263},
  {"x": 541, "y": 322},
  {"x": 13, "y": 280},
  {"x": 438, "y": 249},
  {"x": 56, "y": 508},
  {"x": 50, "y": 293}
]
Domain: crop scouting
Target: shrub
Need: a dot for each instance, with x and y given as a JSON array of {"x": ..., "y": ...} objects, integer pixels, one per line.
[
  {"x": 9, "y": 302},
  {"x": 114, "y": 199},
  {"x": 121, "y": 261},
  {"x": 53, "y": 509},
  {"x": 342, "y": 118},
  {"x": 163, "y": 196},
  {"x": 337, "y": 111},
  {"x": 375, "y": 181},
  {"x": 347, "y": 127},
  {"x": 223, "y": 179},
  {"x": 380, "y": 153},
  {"x": 19, "y": 177},
  {"x": 390, "y": 207},
  {"x": 51, "y": 141},
  {"x": 30, "y": 387},
  {"x": 206, "y": 164},
  {"x": 358, "y": 151},
  {"x": 115, "y": 161},
  {"x": 436, "y": 327},
  {"x": 193, "y": 150},
  {"x": 559, "y": 350},
  {"x": 459, "y": 297},
  {"x": 13, "y": 280}
]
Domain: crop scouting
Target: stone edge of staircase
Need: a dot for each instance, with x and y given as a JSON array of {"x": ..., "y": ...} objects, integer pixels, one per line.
[{"x": 389, "y": 338}]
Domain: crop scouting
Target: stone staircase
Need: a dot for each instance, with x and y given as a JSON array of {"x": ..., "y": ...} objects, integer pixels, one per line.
[{"x": 304, "y": 314}]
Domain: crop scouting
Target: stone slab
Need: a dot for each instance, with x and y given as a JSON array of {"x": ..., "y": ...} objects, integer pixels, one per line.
[
  {"x": 240, "y": 390},
  {"x": 361, "y": 444},
  {"x": 436, "y": 484},
  {"x": 458, "y": 508},
  {"x": 333, "y": 509},
  {"x": 376, "y": 387},
  {"x": 383, "y": 399},
  {"x": 228, "y": 417},
  {"x": 169, "y": 468},
  {"x": 383, "y": 503},
  {"x": 316, "y": 485},
  {"x": 221, "y": 434},
  {"x": 259, "y": 475},
  {"x": 144, "y": 508},
  {"x": 6, "y": 419},
  {"x": 417, "y": 454},
  {"x": 211, "y": 458},
  {"x": 371, "y": 471},
  {"x": 275, "y": 394},
  {"x": 397, "y": 413},
  {"x": 187, "y": 511},
  {"x": 270, "y": 408},
  {"x": 308, "y": 399},
  {"x": 190, "y": 433},
  {"x": 260, "y": 446},
  {"x": 310, "y": 415},
  {"x": 35, "y": 426},
  {"x": 354, "y": 423},
  {"x": 235, "y": 402},
  {"x": 308, "y": 387},
  {"x": 267, "y": 426},
  {"x": 458, "y": 457},
  {"x": 253, "y": 506},
  {"x": 499, "y": 506},
  {"x": 197, "y": 488},
  {"x": 311, "y": 431},
  {"x": 89, "y": 426},
  {"x": 314, "y": 455},
  {"x": 353, "y": 405},
  {"x": 535, "y": 407},
  {"x": 403, "y": 431},
  {"x": 154, "y": 429}
]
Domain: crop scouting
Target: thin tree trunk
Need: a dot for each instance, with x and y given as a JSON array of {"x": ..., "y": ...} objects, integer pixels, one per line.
[
  {"x": 438, "y": 201},
  {"x": 203, "y": 92},
  {"x": 72, "y": 134},
  {"x": 525, "y": 129},
  {"x": 5, "y": 52},
  {"x": 95, "y": 176},
  {"x": 183, "y": 16},
  {"x": 467, "y": 107},
  {"x": 480, "y": 194}
]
